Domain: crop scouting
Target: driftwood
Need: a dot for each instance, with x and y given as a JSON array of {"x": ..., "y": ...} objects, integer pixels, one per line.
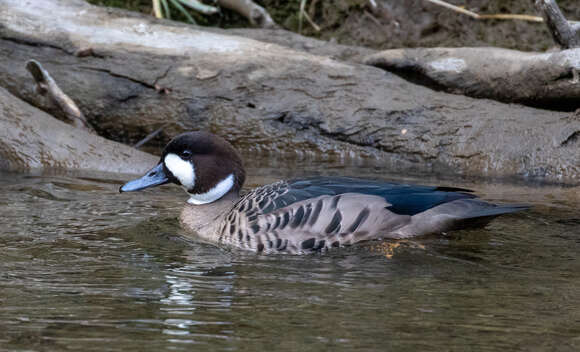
[
  {"x": 355, "y": 54},
  {"x": 548, "y": 80},
  {"x": 144, "y": 74},
  {"x": 30, "y": 138},
  {"x": 256, "y": 14},
  {"x": 46, "y": 86}
]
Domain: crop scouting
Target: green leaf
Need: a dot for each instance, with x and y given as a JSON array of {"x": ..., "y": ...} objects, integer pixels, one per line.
[
  {"x": 166, "y": 9},
  {"x": 199, "y": 7},
  {"x": 183, "y": 11}
]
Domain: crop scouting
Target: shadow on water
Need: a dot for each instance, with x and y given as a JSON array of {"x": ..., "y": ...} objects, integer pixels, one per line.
[{"x": 82, "y": 267}]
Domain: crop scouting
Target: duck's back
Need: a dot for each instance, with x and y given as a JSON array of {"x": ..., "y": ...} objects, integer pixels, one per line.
[{"x": 309, "y": 214}]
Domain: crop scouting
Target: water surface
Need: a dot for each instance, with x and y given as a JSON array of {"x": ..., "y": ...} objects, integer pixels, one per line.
[{"x": 84, "y": 268}]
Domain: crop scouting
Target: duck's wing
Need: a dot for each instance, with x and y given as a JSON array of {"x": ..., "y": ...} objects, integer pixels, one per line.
[
  {"x": 403, "y": 199},
  {"x": 312, "y": 224},
  {"x": 314, "y": 213},
  {"x": 326, "y": 221},
  {"x": 310, "y": 214}
]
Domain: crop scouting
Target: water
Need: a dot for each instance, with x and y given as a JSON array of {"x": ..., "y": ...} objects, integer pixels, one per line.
[{"x": 85, "y": 268}]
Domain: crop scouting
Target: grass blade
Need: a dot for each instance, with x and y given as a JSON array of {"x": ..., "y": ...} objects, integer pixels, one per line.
[
  {"x": 199, "y": 7},
  {"x": 157, "y": 9},
  {"x": 183, "y": 11},
  {"x": 166, "y": 9}
]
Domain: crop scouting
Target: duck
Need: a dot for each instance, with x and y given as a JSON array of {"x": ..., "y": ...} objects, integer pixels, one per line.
[{"x": 302, "y": 215}]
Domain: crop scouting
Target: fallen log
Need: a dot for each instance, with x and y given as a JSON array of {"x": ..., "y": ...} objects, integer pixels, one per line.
[
  {"x": 545, "y": 80},
  {"x": 548, "y": 80},
  {"x": 32, "y": 139},
  {"x": 142, "y": 74},
  {"x": 355, "y": 54}
]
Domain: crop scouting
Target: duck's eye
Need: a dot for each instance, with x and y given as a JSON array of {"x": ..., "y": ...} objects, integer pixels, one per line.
[{"x": 186, "y": 154}]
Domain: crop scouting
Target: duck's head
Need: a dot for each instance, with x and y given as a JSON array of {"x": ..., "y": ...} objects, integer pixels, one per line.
[{"x": 205, "y": 165}]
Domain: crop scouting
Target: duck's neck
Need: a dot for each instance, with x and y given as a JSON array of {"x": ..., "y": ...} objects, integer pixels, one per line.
[
  {"x": 205, "y": 219},
  {"x": 215, "y": 193}
]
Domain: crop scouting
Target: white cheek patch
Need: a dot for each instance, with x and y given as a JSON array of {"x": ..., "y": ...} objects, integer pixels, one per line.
[
  {"x": 218, "y": 191},
  {"x": 181, "y": 169}
]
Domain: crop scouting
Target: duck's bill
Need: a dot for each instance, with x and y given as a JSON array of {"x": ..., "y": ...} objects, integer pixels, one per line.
[{"x": 154, "y": 177}]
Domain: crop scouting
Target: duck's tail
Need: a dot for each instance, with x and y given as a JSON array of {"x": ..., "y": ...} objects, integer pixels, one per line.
[{"x": 456, "y": 215}]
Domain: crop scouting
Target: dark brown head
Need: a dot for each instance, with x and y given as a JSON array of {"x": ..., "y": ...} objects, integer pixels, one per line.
[{"x": 207, "y": 166}]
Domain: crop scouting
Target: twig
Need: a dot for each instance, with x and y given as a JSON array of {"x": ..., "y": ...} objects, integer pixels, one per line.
[
  {"x": 149, "y": 137},
  {"x": 311, "y": 22},
  {"x": 503, "y": 16},
  {"x": 499, "y": 16},
  {"x": 373, "y": 18},
  {"x": 305, "y": 14},
  {"x": 455, "y": 8},
  {"x": 46, "y": 86}
]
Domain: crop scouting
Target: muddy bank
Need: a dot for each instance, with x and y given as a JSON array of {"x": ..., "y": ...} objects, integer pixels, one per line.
[
  {"x": 417, "y": 23},
  {"x": 142, "y": 74},
  {"x": 397, "y": 23}
]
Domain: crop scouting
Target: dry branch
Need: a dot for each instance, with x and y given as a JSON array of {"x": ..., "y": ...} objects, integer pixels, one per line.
[
  {"x": 256, "y": 14},
  {"x": 46, "y": 86},
  {"x": 149, "y": 137},
  {"x": 498, "y": 16},
  {"x": 303, "y": 14},
  {"x": 566, "y": 34}
]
